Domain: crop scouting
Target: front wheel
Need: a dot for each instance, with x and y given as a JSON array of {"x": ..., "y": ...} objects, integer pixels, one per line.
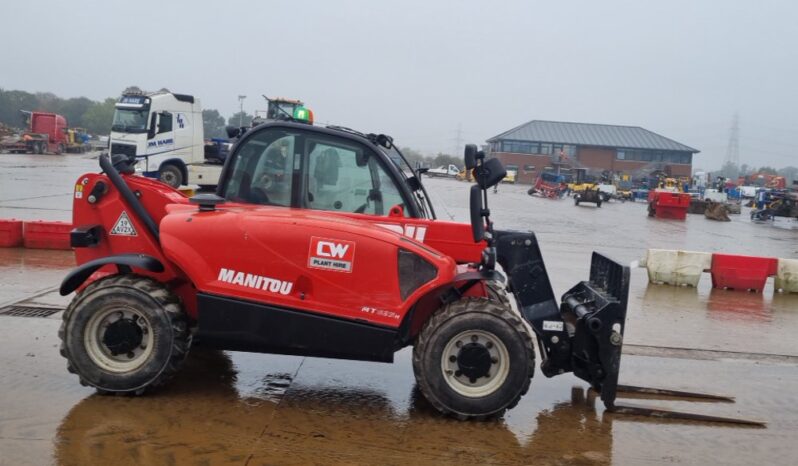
[
  {"x": 124, "y": 334},
  {"x": 171, "y": 175},
  {"x": 474, "y": 359}
]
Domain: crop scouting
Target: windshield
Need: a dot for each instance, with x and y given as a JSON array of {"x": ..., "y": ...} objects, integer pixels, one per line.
[
  {"x": 130, "y": 121},
  {"x": 420, "y": 195},
  {"x": 281, "y": 110}
]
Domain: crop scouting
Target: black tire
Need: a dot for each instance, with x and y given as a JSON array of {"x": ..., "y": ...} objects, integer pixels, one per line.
[
  {"x": 60, "y": 149},
  {"x": 497, "y": 293},
  {"x": 576, "y": 200},
  {"x": 40, "y": 149},
  {"x": 171, "y": 175},
  {"x": 598, "y": 203},
  {"x": 442, "y": 332},
  {"x": 165, "y": 327}
]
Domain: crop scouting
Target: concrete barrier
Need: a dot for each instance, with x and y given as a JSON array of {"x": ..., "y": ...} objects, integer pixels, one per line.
[
  {"x": 678, "y": 268},
  {"x": 787, "y": 276}
]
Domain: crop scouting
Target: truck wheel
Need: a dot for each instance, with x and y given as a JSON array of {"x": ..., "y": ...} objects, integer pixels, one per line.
[
  {"x": 598, "y": 203},
  {"x": 576, "y": 200},
  {"x": 474, "y": 359},
  {"x": 40, "y": 148},
  {"x": 124, "y": 334},
  {"x": 171, "y": 175},
  {"x": 59, "y": 149}
]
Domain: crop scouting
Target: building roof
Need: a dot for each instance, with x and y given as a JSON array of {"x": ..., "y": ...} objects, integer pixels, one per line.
[{"x": 590, "y": 134}]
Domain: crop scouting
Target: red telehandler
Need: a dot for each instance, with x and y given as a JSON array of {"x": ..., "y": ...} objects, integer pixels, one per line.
[{"x": 321, "y": 241}]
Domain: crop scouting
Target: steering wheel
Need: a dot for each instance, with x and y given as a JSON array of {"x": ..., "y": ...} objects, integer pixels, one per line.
[{"x": 258, "y": 195}]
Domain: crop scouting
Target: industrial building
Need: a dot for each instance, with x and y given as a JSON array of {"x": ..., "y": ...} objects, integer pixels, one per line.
[{"x": 539, "y": 146}]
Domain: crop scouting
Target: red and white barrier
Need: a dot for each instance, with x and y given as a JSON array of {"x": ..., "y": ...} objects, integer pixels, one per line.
[{"x": 729, "y": 271}]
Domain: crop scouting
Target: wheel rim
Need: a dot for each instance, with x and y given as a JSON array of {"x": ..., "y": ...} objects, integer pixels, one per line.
[
  {"x": 168, "y": 177},
  {"x": 475, "y": 363},
  {"x": 119, "y": 339}
]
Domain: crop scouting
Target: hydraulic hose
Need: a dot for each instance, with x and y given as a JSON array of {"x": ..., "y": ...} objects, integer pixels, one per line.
[{"x": 130, "y": 199}]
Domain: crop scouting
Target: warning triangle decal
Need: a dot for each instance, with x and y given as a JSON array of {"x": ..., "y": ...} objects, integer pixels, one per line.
[{"x": 123, "y": 226}]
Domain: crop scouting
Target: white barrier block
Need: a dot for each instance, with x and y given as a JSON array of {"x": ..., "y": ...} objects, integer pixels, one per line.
[
  {"x": 678, "y": 268},
  {"x": 787, "y": 276}
]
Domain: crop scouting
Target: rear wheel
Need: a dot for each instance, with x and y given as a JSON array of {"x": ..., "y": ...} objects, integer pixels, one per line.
[
  {"x": 41, "y": 148},
  {"x": 171, "y": 175},
  {"x": 60, "y": 149},
  {"x": 124, "y": 334},
  {"x": 474, "y": 359}
]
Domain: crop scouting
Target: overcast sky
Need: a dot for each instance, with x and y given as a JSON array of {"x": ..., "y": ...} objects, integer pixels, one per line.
[{"x": 419, "y": 69}]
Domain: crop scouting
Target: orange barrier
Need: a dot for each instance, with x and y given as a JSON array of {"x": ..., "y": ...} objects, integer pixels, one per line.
[
  {"x": 47, "y": 235},
  {"x": 10, "y": 233},
  {"x": 742, "y": 272}
]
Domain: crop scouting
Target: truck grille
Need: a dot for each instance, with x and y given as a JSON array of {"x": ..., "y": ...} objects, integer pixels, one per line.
[{"x": 125, "y": 149}]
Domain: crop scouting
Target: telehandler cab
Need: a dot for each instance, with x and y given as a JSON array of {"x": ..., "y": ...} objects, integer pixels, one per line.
[{"x": 321, "y": 241}]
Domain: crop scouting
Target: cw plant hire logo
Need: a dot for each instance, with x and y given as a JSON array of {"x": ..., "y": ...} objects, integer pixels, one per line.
[{"x": 331, "y": 254}]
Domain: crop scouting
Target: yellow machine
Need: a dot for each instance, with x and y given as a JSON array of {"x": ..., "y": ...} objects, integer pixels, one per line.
[
  {"x": 510, "y": 177},
  {"x": 581, "y": 181}
]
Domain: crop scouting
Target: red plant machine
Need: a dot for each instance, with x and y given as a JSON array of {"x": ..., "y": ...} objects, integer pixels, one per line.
[{"x": 317, "y": 242}]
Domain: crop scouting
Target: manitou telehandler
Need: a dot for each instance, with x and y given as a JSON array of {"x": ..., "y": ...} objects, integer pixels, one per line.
[{"x": 321, "y": 241}]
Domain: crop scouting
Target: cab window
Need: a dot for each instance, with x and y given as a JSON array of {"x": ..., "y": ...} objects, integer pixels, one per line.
[
  {"x": 262, "y": 169},
  {"x": 344, "y": 177},
  {"x": 164, "y": 122}
]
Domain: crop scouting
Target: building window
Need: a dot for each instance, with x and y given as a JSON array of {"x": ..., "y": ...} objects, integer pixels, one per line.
[
  {"x": 529, "y": 168},
  {"x": 620, "y": 155},
  {"x": 570, "y": 151},
  {"x": 545, "y": 149}
]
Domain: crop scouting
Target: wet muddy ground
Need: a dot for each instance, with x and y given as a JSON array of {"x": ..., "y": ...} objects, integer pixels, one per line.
[{"x": 237, "y": 408}]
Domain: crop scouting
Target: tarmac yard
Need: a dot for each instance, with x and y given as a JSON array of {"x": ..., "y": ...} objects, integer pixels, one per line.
[{"x": 239, "y": 408}]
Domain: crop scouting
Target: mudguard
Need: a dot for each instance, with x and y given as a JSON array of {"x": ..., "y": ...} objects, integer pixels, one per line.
[{"x": 124, "y": 262}]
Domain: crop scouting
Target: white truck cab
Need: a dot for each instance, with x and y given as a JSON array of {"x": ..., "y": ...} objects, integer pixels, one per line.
[
  {"x": 163, "y": 130},
  {"x": 451, "y": 171}
]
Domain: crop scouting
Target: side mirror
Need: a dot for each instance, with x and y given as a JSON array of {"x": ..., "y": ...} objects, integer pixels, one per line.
[
  {"x": 490, "y": 173},
  {"x": 470, "y": 156},
  {"x": 232, "y": 132},
  {"x": 477, "y": 223}
]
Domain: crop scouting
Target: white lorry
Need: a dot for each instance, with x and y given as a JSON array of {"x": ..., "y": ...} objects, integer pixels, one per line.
[
  {"x": 163, "y": 130},
  {"x": 450, "y": 172}
]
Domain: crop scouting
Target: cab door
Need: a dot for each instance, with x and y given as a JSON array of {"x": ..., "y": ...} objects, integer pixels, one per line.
[{"x": 286, "y": 176}]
